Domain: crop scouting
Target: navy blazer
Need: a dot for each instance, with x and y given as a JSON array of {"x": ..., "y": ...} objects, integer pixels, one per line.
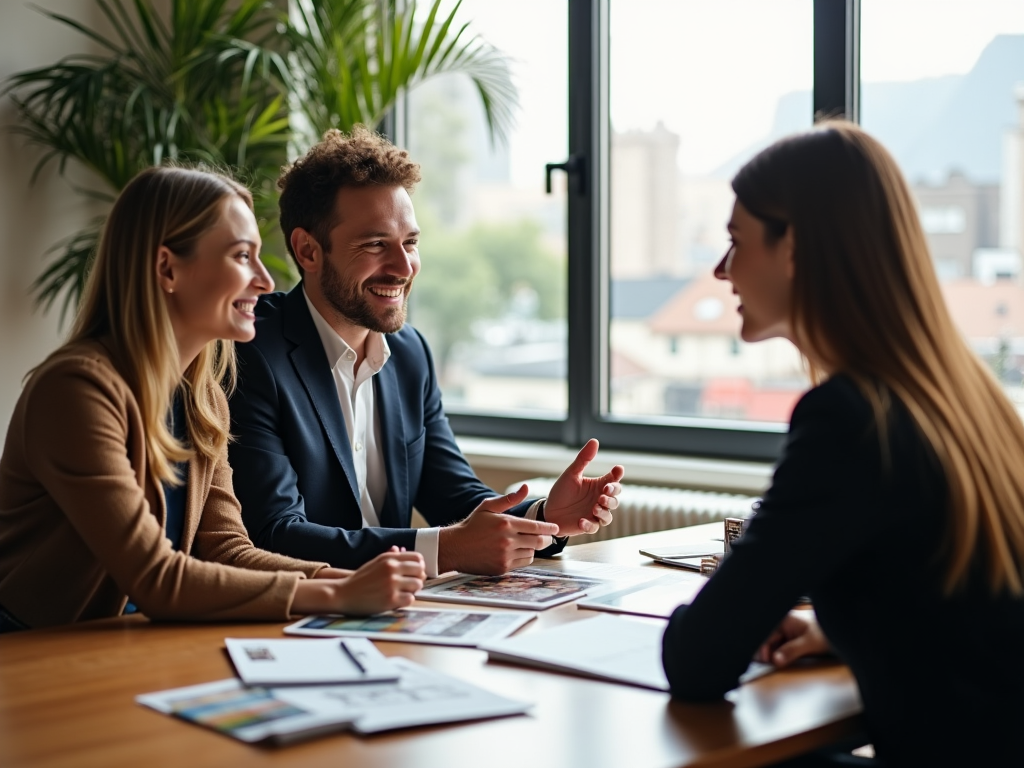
[{"x": 292, "y": 458}]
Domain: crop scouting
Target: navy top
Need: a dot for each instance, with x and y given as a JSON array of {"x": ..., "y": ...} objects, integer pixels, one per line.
[
  {"x": 941, "y": 677},
  {"x": 175, "y": 496}
]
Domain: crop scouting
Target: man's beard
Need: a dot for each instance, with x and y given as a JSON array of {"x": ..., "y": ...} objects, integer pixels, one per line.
[{"x": 348, "y": 300}]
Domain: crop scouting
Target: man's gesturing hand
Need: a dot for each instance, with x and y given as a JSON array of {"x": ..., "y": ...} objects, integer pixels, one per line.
[
  {"x": 579, "y": 504},
  {"x": 489, "y": 542}
]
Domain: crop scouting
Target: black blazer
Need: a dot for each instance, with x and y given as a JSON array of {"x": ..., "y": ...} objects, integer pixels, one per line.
[
  {"x": 941, "y": 677},
  {"x": 292, "y": 459}
]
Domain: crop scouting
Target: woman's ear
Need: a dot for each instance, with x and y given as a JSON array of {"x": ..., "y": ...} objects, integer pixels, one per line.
[
  {"x": 165, "y": 272},
  {"x": 307, "y": 250}
]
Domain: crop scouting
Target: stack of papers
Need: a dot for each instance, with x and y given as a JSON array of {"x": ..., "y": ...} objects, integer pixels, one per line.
[
  {"x": 685, "y": 555},
  {"x": 419, "y": 696}
]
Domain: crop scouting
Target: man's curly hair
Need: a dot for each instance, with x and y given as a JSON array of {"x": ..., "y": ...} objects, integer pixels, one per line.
[{"x": 310, "y": 185}]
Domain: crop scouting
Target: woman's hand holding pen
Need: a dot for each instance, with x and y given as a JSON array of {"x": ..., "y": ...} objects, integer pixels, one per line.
[{"x": 391, "y": 580}]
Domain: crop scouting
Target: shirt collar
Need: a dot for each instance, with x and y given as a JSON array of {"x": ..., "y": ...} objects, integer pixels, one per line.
[{"x": 377, "y": 350}]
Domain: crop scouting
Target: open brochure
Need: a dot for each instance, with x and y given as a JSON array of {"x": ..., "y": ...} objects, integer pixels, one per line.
[
  {"x": 298, "y": 662},
  {"x": 529, "y": 588},
  {"x": 417, "y": 625},
  {"x": 420, "y": 696},
  {"x": 606, "y": 648}
]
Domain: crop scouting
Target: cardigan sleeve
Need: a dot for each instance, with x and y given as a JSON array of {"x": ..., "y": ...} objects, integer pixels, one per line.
[{"x": 84, "y": 442}]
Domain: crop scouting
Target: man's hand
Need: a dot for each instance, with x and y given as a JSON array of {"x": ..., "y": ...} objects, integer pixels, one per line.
[
  {"x": 489, "y": 542},
  {"x": 579, "y": 504},
  {"x": 797, "y": 636}
]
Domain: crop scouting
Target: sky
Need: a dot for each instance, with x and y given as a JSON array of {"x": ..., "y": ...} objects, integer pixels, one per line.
[{"x": 712, "y": 71}]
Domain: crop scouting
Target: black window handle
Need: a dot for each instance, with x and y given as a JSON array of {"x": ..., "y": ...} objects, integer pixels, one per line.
[{"x": 573, "y": 166}]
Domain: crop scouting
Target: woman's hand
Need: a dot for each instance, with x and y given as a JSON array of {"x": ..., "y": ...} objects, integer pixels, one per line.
[
  {"x": 391, "y": 580},
  {"x": 797, "y": 636},
  {"x": 332, "y": 573}
]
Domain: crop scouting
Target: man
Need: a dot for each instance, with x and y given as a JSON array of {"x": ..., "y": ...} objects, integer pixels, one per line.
[{"x": 338, "y": 423}]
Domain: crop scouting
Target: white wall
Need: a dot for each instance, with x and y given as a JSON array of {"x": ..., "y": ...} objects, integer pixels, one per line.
[{"x": 32, "y": 218}]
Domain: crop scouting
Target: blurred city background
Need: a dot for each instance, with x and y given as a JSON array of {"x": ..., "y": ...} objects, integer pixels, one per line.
[{"x": 693, "y": 96}]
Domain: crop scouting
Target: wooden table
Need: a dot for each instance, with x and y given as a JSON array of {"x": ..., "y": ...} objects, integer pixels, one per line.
[{"x": 67, "y": 699}]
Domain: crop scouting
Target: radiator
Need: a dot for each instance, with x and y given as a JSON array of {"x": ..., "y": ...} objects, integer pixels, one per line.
[{"x": 644, "y": 508}]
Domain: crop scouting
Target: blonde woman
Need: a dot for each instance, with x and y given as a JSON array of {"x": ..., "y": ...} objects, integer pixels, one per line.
[
  {"x": 898, "y": 503},
  {"x": 115, "y": 492}
]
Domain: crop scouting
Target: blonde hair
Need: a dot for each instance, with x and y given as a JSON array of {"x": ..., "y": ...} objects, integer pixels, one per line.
[
  {"x": 124, "y": 306},
  {"x": 867, "y": 303}
]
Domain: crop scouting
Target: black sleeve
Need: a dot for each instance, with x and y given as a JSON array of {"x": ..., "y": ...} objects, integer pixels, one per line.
[{"x": 812, "y": 521}]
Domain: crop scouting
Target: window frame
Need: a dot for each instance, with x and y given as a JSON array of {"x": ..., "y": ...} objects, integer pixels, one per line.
[{"x": 836, "y": 91}]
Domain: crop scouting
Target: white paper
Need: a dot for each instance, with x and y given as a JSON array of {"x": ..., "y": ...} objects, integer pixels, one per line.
[
  {"x": 260, "y": 661},
  {"x": 657, "y": 599},
  {"x": 435, "y": 626},
  {"x": 606, "y": 647}
]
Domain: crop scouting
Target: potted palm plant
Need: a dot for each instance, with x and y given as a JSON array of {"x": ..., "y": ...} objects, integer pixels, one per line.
[{"x": 232, "y": 84}]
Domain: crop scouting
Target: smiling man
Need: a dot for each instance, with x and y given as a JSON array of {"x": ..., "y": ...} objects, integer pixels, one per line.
[{"x": 338, "y": 422}]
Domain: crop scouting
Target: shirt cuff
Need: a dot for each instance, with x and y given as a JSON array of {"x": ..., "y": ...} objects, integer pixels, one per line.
[
  {"x": 534, "y": 510},
  {"x": 426, "y": 544}
]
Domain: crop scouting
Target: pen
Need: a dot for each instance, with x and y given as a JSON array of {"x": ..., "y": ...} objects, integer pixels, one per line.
[{"x": 355, "y": 659}]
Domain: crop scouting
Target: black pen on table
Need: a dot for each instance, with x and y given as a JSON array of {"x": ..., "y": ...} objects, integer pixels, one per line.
[{"x": 355, "y": 659}]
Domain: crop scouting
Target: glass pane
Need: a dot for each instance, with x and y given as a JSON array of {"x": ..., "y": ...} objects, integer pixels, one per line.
[
  {"x": 942, "y": 86},
  {"x": 491, "y": 295},
  {"x": 697, "y": 88}
]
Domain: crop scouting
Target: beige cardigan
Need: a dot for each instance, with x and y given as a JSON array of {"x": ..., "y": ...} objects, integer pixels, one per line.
[{"x": 82, "y": 523}]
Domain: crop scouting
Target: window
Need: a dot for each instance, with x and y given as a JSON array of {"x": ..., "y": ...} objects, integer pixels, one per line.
[
  {"x": 941, "y": 88},
  {"x": 491, "y": 296},
  {"x": 650, "y": 105},
  {"x": 696, "y": 89}
]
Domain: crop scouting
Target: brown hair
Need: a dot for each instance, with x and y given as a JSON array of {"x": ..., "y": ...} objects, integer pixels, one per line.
[
  {"x": 310, "y": 185},
  {"x": 123, "y": 305},
  {"x": 867, "y": 303}
]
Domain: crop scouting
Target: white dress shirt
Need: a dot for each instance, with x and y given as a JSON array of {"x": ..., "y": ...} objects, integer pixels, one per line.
[{"x": 358, "y": 406}]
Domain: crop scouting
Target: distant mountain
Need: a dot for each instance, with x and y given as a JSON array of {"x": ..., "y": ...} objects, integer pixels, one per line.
[{"x": 932, "y": 126}]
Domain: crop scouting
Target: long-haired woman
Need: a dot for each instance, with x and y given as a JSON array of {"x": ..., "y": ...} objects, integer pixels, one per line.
[
  {"x": 115, "y": 492},
  {"x": 898, "y": 502}
]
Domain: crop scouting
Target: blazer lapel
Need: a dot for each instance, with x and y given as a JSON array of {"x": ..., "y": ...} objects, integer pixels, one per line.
[
  {"x": 310, "y": 362},
  {"x": 392, "y": 435}
]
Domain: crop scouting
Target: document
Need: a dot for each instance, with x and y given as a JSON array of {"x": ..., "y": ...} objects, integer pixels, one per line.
[
  {"x": 420, "y": 696},
  {"x": 685, "y": 555},
  {"x": 532, "y": 589},
  {"x": 657, "y": 599},
  {"x": 298, "y": 662},
  {"x": 417, "y": 625},
  {"x": 610, "y": 648}
]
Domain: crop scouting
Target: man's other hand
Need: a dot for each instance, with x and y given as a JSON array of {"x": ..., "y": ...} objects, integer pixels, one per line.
[
  {"x": 579, "y": 504},
  {"x": 489, "y": 542}
]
